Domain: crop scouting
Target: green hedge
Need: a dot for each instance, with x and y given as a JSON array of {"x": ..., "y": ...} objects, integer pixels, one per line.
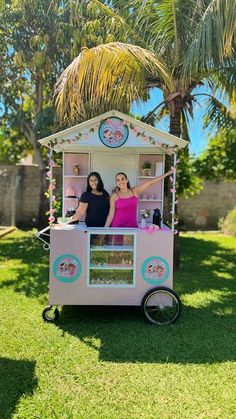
[{"x": 228, "y": 224}]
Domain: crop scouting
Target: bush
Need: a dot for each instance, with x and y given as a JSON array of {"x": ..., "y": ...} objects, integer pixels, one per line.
[{"x": 228, "y": 224}]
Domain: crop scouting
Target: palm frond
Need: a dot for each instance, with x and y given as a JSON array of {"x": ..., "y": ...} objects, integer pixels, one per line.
[
  {"x": 224, "y": 79},
  {"x": 218, "y": 115},
  {"x": 155, "y": 114},
  {"x": 110, "y": 75},
  {"x": 214, "y": 38}
]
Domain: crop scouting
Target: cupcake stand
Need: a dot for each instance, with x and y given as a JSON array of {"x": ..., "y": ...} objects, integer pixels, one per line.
[{"x": 112, "y": 266}]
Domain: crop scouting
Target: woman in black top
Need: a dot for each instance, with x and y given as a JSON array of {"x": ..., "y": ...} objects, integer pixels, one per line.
[{"x": 94, "y": 202}]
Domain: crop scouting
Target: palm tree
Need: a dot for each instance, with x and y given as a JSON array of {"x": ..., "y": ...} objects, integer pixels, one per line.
[
  {"x": 174, "y": 45},
  {"x": 180, "y": 45}
]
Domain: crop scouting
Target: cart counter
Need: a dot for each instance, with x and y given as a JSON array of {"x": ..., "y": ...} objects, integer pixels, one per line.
[{"x": 108, "y": 266}]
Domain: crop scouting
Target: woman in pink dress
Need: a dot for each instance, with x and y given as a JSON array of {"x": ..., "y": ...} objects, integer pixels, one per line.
[{"x": 124, "y": 202}]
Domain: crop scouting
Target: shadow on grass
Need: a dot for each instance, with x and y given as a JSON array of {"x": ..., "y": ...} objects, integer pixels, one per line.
[
  {"x": 205, "y": 333},
  {"x": 17, "y": 378},
  {"x": 205, "y": 265},
  {"x": 32, "y": 277}
]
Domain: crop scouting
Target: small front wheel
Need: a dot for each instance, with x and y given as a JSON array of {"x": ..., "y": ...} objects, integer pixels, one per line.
[
  {"x": 50, "y": 314},
  {"x": 161, "y": 306}
]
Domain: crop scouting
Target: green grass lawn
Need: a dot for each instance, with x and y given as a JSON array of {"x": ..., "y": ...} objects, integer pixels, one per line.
[{"x": 110, "y": 363}]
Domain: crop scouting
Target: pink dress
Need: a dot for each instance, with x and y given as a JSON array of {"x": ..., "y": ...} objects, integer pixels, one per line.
[{"x": 125, "y": 212}]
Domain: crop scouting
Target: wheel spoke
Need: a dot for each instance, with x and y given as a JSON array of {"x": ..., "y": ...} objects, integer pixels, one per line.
[{"x": 161, "y": 306}]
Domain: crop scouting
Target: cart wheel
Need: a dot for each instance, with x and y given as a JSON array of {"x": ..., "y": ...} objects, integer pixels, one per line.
[
  {"x": 50, "y": 314},
  {"x": 161, "y": 306}
]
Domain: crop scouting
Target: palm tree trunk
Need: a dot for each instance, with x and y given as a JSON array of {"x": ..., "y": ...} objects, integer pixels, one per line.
[{"x": 175, "y": 129}]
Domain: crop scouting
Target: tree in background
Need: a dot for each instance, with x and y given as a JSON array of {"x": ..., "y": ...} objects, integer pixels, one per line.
[
  {"x": 174, "y": 45},
  {"x": 38, "y": 39},
  {"x": 218, "y": 161},
  {"x": 179, "y": 46},
  {"x": 182, "y": 44},
  {"x": 33, "y": 54}
]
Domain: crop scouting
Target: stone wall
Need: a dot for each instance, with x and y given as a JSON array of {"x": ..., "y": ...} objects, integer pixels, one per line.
[
  {"x": 204, "y": 210},
  {"x": 19, "y": 191}
]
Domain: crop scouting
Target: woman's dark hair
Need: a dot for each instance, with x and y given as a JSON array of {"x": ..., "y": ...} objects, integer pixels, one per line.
[
  {"x": 100, "y": 187},
  {"x": 122, "y": 173}
]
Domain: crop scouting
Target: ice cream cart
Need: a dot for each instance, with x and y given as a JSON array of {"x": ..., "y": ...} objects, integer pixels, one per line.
[{"x": 112, "y": 266}]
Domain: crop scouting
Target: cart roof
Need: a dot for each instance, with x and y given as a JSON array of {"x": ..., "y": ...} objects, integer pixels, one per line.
[{"x": 110, "y": 130}]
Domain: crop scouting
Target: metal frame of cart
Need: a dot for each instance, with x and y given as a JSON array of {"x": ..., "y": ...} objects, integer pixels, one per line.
[{"x": 112, "y": 266}]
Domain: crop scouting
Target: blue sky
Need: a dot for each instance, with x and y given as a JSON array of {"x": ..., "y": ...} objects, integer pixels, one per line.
[{"x": 199, "y": 137}]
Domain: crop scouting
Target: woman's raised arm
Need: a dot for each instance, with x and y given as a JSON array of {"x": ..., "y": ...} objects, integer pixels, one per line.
[{"x": 142, "y": 187}]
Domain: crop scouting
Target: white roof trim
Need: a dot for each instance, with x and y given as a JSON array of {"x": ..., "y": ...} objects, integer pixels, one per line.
[{"x": 155, "y": 131}]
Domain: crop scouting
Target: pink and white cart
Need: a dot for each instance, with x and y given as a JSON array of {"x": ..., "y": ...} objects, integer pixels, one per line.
[{"x": 112, "y": 266}]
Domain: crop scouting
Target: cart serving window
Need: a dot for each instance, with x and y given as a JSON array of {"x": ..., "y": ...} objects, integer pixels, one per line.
[{"x": 113, "y": 265}]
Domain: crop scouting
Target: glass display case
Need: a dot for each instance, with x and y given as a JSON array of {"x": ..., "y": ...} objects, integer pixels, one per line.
[{"x": 111, "y": 260}]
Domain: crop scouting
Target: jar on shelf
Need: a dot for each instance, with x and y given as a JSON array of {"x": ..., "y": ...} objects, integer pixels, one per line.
[{"x": 76, "y": 169}]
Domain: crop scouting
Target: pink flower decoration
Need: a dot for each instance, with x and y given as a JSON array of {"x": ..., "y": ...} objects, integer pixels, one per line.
[
  {"x": 175, "y": 231},
  {"x": 149, "y": 231},
  {"x": 51, "y": 211},
  {"x": 51, "y": 187},
  {"x": 173, "y": 190},
  {"x": 53, "y": 197},
  {"x": 49, "y": 174},
  {"x": 51, "y": 219},
  {"x": 171, "y": 179}
]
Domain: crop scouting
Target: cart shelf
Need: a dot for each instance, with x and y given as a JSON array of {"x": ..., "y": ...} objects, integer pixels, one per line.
[
  {"x": 147, "y": 177},
  {"x": 151, "y": 200},
  {"x": 112, "y": 248}
]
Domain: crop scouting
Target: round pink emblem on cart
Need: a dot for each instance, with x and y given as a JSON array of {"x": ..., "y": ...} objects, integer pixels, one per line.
[
  {"x": 67, "y": 268},
  {"x": 155, "y": 270},
  {"x": 113, "y": 132}
]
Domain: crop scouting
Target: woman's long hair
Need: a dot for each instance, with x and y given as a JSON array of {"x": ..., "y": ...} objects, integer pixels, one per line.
[
  {"x": 128, "y": 184},
  {"x": 100, "y": 187}
]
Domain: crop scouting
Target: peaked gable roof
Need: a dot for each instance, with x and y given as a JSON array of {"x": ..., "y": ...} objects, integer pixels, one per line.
[{"x": 146, "y": 133}]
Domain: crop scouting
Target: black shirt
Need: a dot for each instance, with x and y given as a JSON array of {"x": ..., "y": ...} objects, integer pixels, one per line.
[{"x": 98, "y": 208}]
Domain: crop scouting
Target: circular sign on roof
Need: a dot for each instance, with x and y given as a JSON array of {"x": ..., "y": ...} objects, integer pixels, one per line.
[{"x": 113, "y": 132}]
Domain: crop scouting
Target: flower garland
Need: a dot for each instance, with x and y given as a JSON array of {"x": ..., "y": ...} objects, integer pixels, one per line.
[
  {"x": 174, "y": 217},
  {"x": 60, "y": 143},
  {"x": 50, "y": 191}
]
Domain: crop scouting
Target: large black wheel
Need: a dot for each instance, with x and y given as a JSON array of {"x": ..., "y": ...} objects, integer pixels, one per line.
[
  {"x": 50, "y": 314},
  {"x": 161, "y": 306}
]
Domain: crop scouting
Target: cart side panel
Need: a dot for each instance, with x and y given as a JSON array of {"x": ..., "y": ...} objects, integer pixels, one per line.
[
  {"x": 68, "y": 266},
  {"x": 154, "y": 259},
  {"x": 153, "y": 267}
]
